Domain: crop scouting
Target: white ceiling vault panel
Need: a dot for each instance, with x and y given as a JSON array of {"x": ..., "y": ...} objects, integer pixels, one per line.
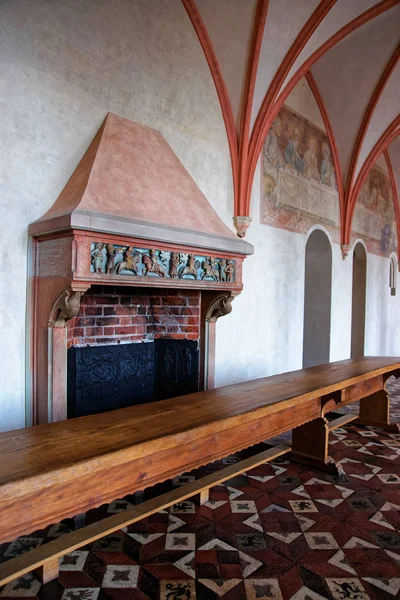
[
  {"x": 340, "y": 14},
  {"x": 381, "y": 162},
  {"x": 394, "y": 156},
  {"x": 285, "y": 19},
  {"x": 229, "y": 24},
  {"x": 348, "y": 74},
  {"x": 303, "y": 101},
  {"x": 385, "y": 112}
]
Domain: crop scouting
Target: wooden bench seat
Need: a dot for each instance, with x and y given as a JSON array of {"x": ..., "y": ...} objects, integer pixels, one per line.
[{"x": 54, "y": 471}]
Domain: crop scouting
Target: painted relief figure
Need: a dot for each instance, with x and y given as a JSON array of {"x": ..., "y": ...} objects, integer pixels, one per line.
[
  {"x": 298, "y": 182},
  {"x": 374, "y": 215}
]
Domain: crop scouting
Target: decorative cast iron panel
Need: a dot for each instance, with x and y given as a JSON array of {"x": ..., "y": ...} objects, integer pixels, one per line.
[
  {"x": 103, "y": 378},
  {"x": 148, "y": 262},
  {"x": 177, "y": 364}
]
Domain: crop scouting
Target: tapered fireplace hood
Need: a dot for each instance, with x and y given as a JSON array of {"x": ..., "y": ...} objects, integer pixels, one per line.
[{"x": 131, "y": 183}]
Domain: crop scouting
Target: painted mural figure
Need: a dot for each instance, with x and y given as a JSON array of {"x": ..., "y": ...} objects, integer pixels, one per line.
[
  {"x": 376, "y": 225},
  {"x": 292, "y": 156},
  {"x": 272, "y": 150},
  {"x": 310, "y": 159},
  {"x": 385, "y": 239},
  {"x": 327, "y": 172},
  {"x": 370, "y": 199}
]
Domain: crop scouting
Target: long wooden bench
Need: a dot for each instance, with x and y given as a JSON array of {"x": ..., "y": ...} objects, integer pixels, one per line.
[
  {"x": 55, "y": 471},
  {"x": 45, "y": 559}
]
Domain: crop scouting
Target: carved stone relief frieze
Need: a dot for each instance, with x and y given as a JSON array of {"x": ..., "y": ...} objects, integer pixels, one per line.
[{"x": 115, "y": 259}]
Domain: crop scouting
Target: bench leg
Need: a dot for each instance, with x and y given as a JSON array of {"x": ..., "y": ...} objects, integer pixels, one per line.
[
  {"x": 310, "y": 446},
  {"x": 204, "y": 496},
  {"x": 49, "y": 571},
  {"x": 374, "y": 410}
]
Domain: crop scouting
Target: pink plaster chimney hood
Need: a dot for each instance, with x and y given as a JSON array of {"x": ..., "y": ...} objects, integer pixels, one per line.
[{"x": 131, "y": 183}]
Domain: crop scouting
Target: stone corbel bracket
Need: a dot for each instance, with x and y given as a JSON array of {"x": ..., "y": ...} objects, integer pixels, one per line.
[
  {"x": 220, "y": 307},
  {"x": 241, "y": 224},
  {"x": 66, "y": 306},
  {"x": 345, "y": 248}
]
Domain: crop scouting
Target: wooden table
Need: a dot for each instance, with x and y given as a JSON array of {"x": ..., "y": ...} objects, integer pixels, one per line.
[{"x": 54, "y": 471}]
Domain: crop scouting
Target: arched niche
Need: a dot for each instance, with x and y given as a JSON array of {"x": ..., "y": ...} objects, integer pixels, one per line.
[
  {"x": 317, "y": 299},
  {"x": 359, "y": 289}
]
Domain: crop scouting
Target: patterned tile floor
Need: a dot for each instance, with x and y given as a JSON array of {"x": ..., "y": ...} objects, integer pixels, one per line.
[{"x": 278, "y": 532}]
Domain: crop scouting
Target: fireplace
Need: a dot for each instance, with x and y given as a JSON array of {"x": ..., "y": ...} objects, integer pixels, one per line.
[
  {"x": 128, "y": 347},
  {"x": 130, "y": 266}
]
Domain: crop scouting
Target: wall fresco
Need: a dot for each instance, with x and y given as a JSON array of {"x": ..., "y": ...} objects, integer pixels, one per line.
[
  {"x": 374, "y": 219},
  {"x": 298, "y": 181}
]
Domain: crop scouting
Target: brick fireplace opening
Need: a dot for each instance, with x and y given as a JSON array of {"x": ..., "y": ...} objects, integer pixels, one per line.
[
  {"x": 128, "y": 347},
  {"x": 118, "y": 314}
]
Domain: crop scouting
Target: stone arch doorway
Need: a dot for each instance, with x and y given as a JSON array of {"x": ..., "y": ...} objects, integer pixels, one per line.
[
  {"x": 358, "y": 300},
  {"x": 317, "y": 299}
]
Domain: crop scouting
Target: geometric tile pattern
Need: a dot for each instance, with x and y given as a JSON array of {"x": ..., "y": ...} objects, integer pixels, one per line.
[{"x": 278, "y": 532}]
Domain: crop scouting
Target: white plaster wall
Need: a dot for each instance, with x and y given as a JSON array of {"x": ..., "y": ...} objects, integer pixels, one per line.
[
  {"x": 382, "y": 330},
  {"x": 264, "y": 333},
  {"x": 63, "y": 66},
  {"x": 342, "y": 274}
]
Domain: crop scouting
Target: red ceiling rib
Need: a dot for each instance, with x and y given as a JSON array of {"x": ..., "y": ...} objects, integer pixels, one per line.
[
  {"x": 220, "y": 86},
  {"x": 379, "y": 147},
  {"x": 269, "y": 115},
  {"x": 368, "y": 116},
  {"x": 395, "y": 198},
  {"x": 332, "y": 141},
  {"x": 248, "y": 95}
]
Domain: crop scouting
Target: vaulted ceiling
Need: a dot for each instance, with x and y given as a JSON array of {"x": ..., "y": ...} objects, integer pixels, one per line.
[{"x": 258, "y": 50}]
